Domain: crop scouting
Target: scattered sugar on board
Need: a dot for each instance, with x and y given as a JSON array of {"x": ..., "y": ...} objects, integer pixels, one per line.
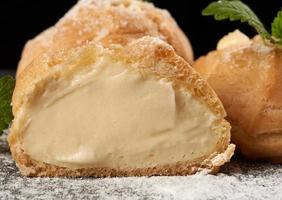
[{"x": 237, "y": 180}]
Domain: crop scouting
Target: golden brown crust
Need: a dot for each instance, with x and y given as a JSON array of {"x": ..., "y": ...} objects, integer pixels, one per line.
[
  {"x": 160, "y": 61},
  {"x": 264, "y": 147},
  {"x": 29, "y": 167},
  {"x": 248, "y": 81},
  {"x": 108, "y": 22}
]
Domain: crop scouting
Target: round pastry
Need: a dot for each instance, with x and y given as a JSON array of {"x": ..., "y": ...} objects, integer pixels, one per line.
[
  {"x": 117, "y": 111},
  {"x": 107, "y": 22},
  {"x": 247, "y": 76}
]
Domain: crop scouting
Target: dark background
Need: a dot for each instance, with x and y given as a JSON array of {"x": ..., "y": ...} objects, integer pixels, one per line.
[{"x": 21, "y": 20}]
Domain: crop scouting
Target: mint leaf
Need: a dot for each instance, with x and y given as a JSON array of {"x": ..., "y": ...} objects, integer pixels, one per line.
[
  {"x": 276, "y": 28},
  {"x": 7, "y": 84},
  {"x": 235, "y": 10}
]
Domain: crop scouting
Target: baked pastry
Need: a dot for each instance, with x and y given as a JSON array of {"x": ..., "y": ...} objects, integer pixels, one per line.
[
  {"x": 107, "y": 22},
  {"x": 247, "y": 76},
  {"x": 117, "y": 111}
]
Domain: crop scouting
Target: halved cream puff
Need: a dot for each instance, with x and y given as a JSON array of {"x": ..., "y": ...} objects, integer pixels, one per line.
[{"x": 131, "y": 110}]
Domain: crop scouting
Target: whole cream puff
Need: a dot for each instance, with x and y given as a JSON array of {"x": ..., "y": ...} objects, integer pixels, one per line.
[{"x": 247, "y": 76}]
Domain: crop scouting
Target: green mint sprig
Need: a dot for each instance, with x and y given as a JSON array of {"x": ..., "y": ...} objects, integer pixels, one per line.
[
  {"x": 236, "y": 10},
  {"x": 276, "y": 28},
  {"x": 7, "y": 85}
]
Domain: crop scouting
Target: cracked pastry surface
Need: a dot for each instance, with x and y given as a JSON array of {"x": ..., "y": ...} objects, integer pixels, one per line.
[{"x": 107, "y": 22}]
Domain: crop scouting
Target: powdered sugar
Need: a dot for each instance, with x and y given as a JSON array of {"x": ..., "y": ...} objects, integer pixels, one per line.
[{"x": 237, "y": 180}]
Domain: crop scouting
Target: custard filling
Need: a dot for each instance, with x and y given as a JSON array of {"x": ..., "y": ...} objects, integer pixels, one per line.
[
  {"x": 115, "y": 117},
  {"x": 235, "y": 39}
]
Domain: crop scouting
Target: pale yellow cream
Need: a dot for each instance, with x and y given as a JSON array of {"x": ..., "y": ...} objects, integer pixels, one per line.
[
  {"x": 234, "y": 39},
  {"x": 114, "y": 117}
]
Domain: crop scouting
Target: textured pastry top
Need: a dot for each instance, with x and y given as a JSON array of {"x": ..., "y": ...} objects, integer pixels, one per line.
[{"x": 108, "y": 22}]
